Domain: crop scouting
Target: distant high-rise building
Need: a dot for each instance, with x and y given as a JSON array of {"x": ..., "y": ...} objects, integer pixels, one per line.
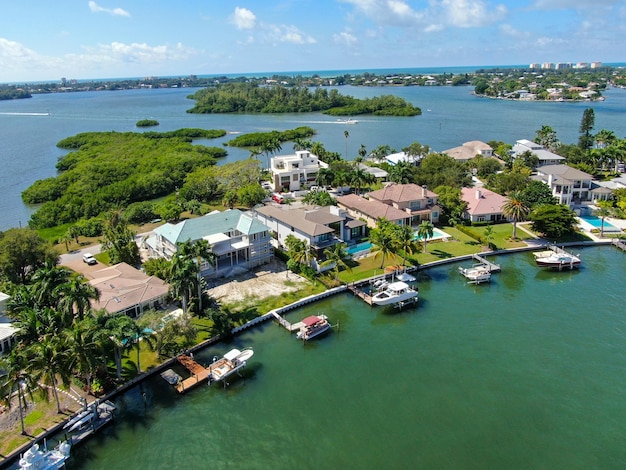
[
  {"x": 535, "y": 66},
  {"x": 596, "y": 65},
  {"x": 547, "y": 65},
  {"x": 581, "y": 65},
  {"x": 63, "y": 81}
]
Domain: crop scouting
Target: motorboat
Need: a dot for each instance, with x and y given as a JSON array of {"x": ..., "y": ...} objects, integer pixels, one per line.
[
  {"x": 232, "y": 362},
  {"x": 313, "y": 326},
  {"x": 406, "y": 277},
  {"x": 559, "y": 259},
  {"x": 348, "y": 121},
  {"x": 37, "y": 458},
  {"x": 476, "y": 274},
  {"x": 398, "y": 292}
]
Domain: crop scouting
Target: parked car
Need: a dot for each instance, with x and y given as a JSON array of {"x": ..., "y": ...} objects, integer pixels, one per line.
[
  {"x": 89, "y": 259},
  {"x": 278, "y": 198}
]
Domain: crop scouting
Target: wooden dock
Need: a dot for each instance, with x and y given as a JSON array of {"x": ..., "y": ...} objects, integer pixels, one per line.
[
  {"x": 359, "y": 293},
  {"x": 199, "y": 374},
  {"x": 492, "y": 267}
]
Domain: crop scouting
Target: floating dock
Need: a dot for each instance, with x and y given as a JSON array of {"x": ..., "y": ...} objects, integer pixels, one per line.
[
  {"x": 492, "y": 267},
  {"x": 199, "y": 374}
]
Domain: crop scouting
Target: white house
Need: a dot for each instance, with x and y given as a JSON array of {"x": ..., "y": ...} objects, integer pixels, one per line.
[
  {"x": 293, "y": 172},
  {"x": 7, "y": 331},
  {"x": 569, "y": 185},
  {"x": 545, "y": 156},
  {"x": 238, "y": 239}
]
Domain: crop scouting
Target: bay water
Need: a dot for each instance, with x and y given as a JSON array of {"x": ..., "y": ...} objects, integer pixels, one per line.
[
  {"x": 31, "y": 128},
  {"x": 525, "y": 372}
]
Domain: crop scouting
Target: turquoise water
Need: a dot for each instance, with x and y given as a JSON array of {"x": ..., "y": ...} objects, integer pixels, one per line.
[
  {"x": 517, "y": 374},
  {"x": 455, "y": 116},
  {"x": 597, "y": 223},
  {"x": 364, "y": 246}
]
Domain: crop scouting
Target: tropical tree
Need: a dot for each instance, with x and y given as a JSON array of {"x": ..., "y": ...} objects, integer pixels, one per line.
[
  {"x": 15, "y": 378},
  {"x": 603, "y": 211},
  {"x": 488, "y": 234},
  {"x": 404, "y": 239},
  {"x": 86, "y": 340},
  {"x": 47, "y": 282},
  {"x": 119, "y": 240},
  {"x": 585, "y": 140},
  {"x": 425, "y": 231},
  {"x": 48, "y": 359},
  {"x": 346, "y": 134},
  {"x": 553, "y": 220},
  {"x": 22, "y": 251},
  {"x": 297, "y": 249},
  {"x": 337, "y": 257},
  {"x": 189, "y": 258},
  {"x": 382, "y": 238},
  {"x": 514, "y": 209},
  {"x": 75, "y": 296},
  {"x": 546, "y": 136},
  {"x": 122, "y": 334},
  {"x": 380, "y": 153}
]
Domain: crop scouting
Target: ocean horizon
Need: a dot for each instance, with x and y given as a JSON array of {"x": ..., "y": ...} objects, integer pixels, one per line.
[{"x": 324, "y": 73}]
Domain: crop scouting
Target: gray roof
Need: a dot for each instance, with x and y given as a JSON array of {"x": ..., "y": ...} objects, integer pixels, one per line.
[
  {"x": 210, "y": 224},
  {"x": 309, "y": 222},
  {"x": 566, "y": 172}
]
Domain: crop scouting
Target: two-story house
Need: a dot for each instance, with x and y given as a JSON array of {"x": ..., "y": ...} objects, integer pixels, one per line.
[
  {"x": 295, "y": 172},
  {"x": 417, "y": 201},
  {"x": 569, "y": 185},
  {"x": 238, "y": 240},
  {"x": 319, "y": 227},
  {"x": 545, "y": 156},
  {"x": 7, "y": 330}
]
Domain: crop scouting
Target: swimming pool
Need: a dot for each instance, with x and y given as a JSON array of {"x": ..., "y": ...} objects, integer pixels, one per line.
[
  {"x": 596, "y": 223},
  {"x": 358, "y": 248},
  {"x": 437, "y": 235}
]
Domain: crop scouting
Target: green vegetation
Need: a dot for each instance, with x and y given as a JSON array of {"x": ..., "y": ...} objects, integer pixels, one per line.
[
  {"x": 112, "y": 169},
  {"x": 13, "y": 94},
  {"x": 258, "y": 139},
  {"x": 252, "y": 98},
  {"x": 147, "y": 123}
]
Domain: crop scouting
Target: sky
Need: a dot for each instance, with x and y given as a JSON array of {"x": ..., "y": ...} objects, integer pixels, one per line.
[{"x": 43, "y": 40}]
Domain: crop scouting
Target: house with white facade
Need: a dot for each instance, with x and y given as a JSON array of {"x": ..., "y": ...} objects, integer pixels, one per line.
[
  {"x": 545, "y": 156},
  {"x": 319, "y": 227},
  {"x": 7, "y": 330},
  {"x": 483, "y": 205},
  {"x": 295, "y": 172},
  {"x": 238, "y": 240},
  {"x": 469, "y": 150},
  {"x": 569, "y": 185}
]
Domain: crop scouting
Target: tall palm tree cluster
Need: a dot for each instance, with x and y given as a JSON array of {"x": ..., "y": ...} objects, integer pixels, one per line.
[{"x": 389, "y": 238}]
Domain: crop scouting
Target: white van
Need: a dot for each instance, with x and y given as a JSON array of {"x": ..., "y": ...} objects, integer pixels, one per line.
[{"x": 89, "y": 259}]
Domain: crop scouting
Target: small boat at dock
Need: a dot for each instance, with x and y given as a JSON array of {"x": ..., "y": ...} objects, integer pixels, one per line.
[
  {"x": 44, "y": 459},
  {"x": 232, "y": 362},
  {"x": 396, "y": 293},
  {"x": 556, "y": 259},
  {"x": 477, "y": 273},
  {"x": 313, "y": 326}
]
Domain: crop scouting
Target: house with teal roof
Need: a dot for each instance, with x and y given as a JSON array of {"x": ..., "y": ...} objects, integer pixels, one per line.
[{"x": 239, "y": 241}]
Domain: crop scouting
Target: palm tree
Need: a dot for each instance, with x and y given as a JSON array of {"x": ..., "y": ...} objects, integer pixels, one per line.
[
  {"x": 382, "y": 238},
  {"x": 337, "y": 256},
  {"x": 15, "y": 378},
  {"x": 190, "y": 255},
  {"x": 47, "y": 281},
  {"x": 425, "y": 231},
  {"x": 182, "y": 277},
  {"x": 86, "y": 340},
  {"x": 514, "y": 209},
  {"x": 603, "y": 211},
  {"x": 76, "y": 296},
  {"x": 49, "y": 360},
  {"x": 404, "y": 238},
  {"x": 297, "y": 249},
  {"x": 346, "y": 134},
  {"x": 122, "y": 331},
  {"x": 488, "y": 233}
]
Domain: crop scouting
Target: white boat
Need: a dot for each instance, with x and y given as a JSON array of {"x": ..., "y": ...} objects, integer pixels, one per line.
[
  {"x": 43, "y": 459},
  {"x": 396, "y": 293},
  {"x": 77, "y": 418},
  {"x": 560, "y": 260},
  {"x": 348, "y": 121},
  {"x": 232, "y": 361},
  {"x": 82, "y": 421},
  {"x": 476, "y": 274},
  {"x": 313, "y": 326},
  {"x": 405, "y": 277}
]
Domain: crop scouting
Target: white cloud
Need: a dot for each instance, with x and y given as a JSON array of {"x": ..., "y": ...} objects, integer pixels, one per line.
[
  {"x": 587, "y": 5},
  {"x": 137, "y": 53},
  {"x": 95, "y": 8},
  {"x": 389, "y": 12},
  {"x": 345, "y": 38},
  {"x": 287, "y": 33},
  {"x": 244, "y": 18},
  {"x": 471, "y": 13}
]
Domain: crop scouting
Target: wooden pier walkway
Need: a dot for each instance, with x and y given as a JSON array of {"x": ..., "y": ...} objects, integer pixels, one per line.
[
  {"x": 287, "y": 325},
  {"x": 359, "y": 293},
  {"x": 199, "y": 374},
  {"x": 492, "y": 267}
]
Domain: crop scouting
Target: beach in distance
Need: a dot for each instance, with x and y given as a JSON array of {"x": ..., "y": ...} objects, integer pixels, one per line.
[{"x": 450, "y": 116}]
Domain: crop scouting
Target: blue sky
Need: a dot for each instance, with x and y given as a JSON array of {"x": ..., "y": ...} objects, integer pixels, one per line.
[{"x": 47, "y": 40}]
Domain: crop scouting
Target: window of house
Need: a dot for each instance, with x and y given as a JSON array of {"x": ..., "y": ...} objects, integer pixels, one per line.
[{"x": 296, "y": 177}]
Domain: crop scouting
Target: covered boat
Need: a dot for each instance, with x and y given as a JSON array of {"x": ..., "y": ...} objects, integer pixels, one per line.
[
  {"x": 43, "y": 459},
  {"x": 313, "y": 326},
  {"x": 232, "y": 361}
]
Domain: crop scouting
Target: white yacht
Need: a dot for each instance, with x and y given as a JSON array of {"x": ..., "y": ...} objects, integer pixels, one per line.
[
  {"x": 476, "y": 274},
  {"x": 40, "y": 459},
  {"x": 232, "y": 361},
  {"x": 395, "y": 293}
]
